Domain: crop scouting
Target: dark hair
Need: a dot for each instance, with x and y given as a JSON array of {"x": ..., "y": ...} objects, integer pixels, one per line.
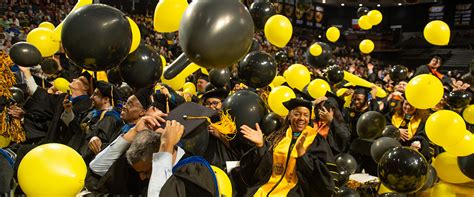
[
  {"x": 275, "y": 137},
  {"x": 329, "y": 106}
]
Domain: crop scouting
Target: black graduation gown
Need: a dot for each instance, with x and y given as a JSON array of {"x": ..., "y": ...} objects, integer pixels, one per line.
[
  {"x": 218, "y": 153},
  {"x": 338, "y": 137},
  {"x": 313, "y": 169}
]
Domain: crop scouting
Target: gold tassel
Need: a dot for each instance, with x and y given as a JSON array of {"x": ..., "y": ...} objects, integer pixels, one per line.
[
  {"x": 10, "y": 127},
  {"x": 226, "y": 127}
]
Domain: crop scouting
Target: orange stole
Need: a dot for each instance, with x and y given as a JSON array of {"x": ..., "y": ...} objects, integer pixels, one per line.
[{"x": 280, "y": 153}]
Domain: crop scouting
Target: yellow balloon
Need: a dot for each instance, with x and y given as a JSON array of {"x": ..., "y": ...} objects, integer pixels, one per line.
[
  {"x": 437, "y": 33},
  {"x": 355, "y": 80},
  {"x": 136, "y": 36},
  {"x": 332, "y": 34},
  {"x": 442, "y": 121},
  {"x": 223, "y": 182},
  {"x": 168, "y": 14},
  {"x": 442, "y": 189},
  {"x": 364, "y": 23},
  {"x": 47, "y": 25},
  {"x": 383, "y": 189},
  {"x": 61, "y": 84},
  {"x": 464, "y": 147},
  {"x": 52, "y": 170},
  {"x": 375, "y": 17},
  {"x": 315, "y": 49},
  {"x": 468, "y": 114},
  {"x": 163, "y": 61},
  {"x": 424, "y": 91},
  {"x": 318, "y": 88},
  {"x": 278, "y": 30},
  {"x": 447, "y": 169},
  {"x": 41, "y": 39},
  {"x": 56, "y": 36},
  {"x": 285, "y": 74},
  {"x": 204, "y": 71},
  {"x": 4, "y": 141},
  {"x": 277, "y": 97},
  {"x": 366, "y": 46},
  {"x": 189, "y": 87},
  {"x": 277, "y": 81},
  {"x": 297, "y": 76},
  {"x": 102, "y": 76}
]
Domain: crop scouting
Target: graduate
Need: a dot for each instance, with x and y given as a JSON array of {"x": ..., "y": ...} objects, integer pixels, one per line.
[
  {"x": 293, "y": 161},
  {"x": 363, "y": 100}
]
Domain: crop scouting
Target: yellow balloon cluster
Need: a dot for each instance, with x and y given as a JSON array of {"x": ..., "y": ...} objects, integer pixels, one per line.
[
  {"x": 168, "y": 14},
  {"x": 364, "y": 23},
  {"x": 297, "y": 76},
  {"x": 41, "y": 39},
  {"x": 277, "y": 97},
  {"x": 447, "y": 169},
  {"x": 318, "y": 88},
  {"x": 278, "y": 30},
  {"x": 366, "y": 46},
  {"x": 332, "y": 34},
  {"x": 437, "y": 33},
  {"x": 52, "y": 170},
  {"x": 136, "y": 35},
  {"x": 464, "y": 147},
  {"x": 442, "y": 121},
  {"x": 424, "y": 91},
  {"x": 315, "y": 49}
]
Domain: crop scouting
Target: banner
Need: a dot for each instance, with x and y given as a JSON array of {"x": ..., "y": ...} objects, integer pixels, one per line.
[
  {"x": 462, "y": 15},
  {"x": 436, "y": 12}
]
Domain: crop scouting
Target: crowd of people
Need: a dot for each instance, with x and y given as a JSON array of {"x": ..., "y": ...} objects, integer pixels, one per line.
[{"x": 140, "y": 141}]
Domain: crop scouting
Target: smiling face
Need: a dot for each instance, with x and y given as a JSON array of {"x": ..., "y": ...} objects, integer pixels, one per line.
[
  {"x": 407, "y": 108},
  {"x": 299, "y": 118},
  {"x": 132, "y": 110}
]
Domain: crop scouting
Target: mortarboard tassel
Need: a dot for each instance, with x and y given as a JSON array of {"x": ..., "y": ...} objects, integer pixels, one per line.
[{"x": 226, "y": 127}]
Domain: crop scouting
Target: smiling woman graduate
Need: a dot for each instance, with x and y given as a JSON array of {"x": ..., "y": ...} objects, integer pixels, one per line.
[{"x": 292, "y": 161}]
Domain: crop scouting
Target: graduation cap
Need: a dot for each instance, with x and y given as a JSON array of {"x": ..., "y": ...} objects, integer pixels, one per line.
[
  {"x": 219, "y": 93},
  {"x": 298, "y": 102},
  {"x": 194, "y": 118},
  {"x": 204, "y": 77},
  {"x": 144, "y": 96},
  {"x": 302, "y": 95},
  {"x": 109, "y": 90}
]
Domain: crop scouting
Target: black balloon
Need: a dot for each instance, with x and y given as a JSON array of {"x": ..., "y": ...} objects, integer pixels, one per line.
[
  {"x": 466, "y": 164},
  {"x": 209, "y": 87},
  {"x": 178, "y": 65},
  {"x": 432, "y": 178},
  {"x": 96, "y": 37},
  {"x": 335, "y": 74},
  {"x": 362, "y": 11},
  {"x": 216, "y": 33},
  {"x": 17, "y": 95},
  {"x": 382, "y": 145},
  {"x": 25, "y": 54},
  {"x": 141, "y": 68},
  {"x": 261, "y": 11},
  {"x": 346, "y": 192},
  {"x": 370, "y": 125},
  {"x": 257, "y": 69},
  {"x": 403, "y": 170},
  {"x": 219, "y": 77},
  {"x": 458, "y": 99},
  {"x": 398, "y": 73},
  {"x": 246, "y": 107},
  {"x": 347, "y": 162},
  {"x": 342, "y": 177},
  {"x": 49, "y": 66},
  {"x": 322, "y": 60},
  {"x": 391, "y": 131},
  {"x": 270, "y": 123},
  {"x": 255, "y": 45},
  {"x": 113, "y": 75},
  {"x": 126, "y": 91},
  {"x": 281, "y": 56}
]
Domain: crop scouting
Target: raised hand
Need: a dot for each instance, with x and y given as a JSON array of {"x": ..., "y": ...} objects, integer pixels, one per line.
[
  {"x": 171, "y": 136},
  {"x": 255, "y": 136},
  {"x": 299, "y": 145}
]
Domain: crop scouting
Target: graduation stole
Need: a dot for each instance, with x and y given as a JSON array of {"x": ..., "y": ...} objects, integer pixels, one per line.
[
  {"x": 413, "y": 125},
  {"x": 284, "y": 166}
]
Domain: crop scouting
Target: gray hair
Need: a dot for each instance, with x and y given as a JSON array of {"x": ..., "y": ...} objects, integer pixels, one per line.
[{"x": 143, "y": 146}]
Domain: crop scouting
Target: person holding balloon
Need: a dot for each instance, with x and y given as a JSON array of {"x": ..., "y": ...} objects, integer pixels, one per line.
[
  {"x": 411, "y": 124},
  {"x": 293, "y": 160}
]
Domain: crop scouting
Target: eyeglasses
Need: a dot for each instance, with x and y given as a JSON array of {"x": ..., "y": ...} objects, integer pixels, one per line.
[{"x": 213, "y": 103}]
